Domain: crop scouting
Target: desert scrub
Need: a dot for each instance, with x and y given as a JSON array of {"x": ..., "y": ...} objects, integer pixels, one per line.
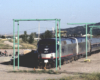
[
  {"x": 83, "y": 76},
  {"x": 5, "y": 46},
  {"x": 10, "y": 40},
  {"x": 92, "y": 76},
  {"x": 35, "y": 71},
  {"x": 23, "y": 44},
  {"x": 27, "y": 45}
]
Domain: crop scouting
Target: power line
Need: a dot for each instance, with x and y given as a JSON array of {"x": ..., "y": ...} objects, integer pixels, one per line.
[{"x": 36, "y": 28}]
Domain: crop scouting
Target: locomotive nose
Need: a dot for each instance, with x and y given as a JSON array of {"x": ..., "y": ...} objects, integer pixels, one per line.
[{"x": 46, "y": 49}]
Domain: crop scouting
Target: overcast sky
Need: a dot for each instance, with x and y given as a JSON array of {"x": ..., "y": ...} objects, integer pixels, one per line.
[{"x": 69, "y": 11}]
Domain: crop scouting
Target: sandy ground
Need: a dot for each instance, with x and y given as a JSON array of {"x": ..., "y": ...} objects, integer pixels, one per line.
[
  {"x": 78, "y": 66},
  {"x": 10, "y": 51}
]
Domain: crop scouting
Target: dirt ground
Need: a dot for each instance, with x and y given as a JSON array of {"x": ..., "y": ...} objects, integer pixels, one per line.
[
  {"x": 10, "y": 51},
  {"x": 78, "y": 66}
]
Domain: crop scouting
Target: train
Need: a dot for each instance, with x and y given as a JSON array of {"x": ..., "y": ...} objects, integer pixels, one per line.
[{"x": 72, "y": 48}]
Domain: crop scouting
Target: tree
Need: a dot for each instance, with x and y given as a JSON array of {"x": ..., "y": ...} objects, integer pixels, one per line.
[
  {"x": 21, "y": 36},
  {"x": 2, "y": 36},
  {"x": 34, "y": 34},
  {"x": 24, "y": 37},
  {"x": 45, "y": 35},
  {"x": 48, "y": 34},
  {"x": 42, "y": 36},
  {"x": 31, "y": 39}
]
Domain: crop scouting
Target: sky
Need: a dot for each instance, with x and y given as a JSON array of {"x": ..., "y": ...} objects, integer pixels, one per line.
[{"x": 69, "y": 11}]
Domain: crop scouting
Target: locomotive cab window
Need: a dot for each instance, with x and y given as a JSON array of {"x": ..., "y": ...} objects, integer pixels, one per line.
[
  {"x": 49, "y": 44},
  {"x": 46, "y": 42}
]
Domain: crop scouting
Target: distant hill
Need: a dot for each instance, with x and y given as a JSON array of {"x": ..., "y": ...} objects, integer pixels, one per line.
[{"x": 78, "y": 30}]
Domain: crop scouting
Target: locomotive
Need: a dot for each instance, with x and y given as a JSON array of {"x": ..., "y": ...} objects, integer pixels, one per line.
[{"x": 72, "y": 48}]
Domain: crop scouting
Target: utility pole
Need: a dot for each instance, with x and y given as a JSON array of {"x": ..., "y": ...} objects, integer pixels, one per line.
[
  {"x": 53, "y": 32},
  {"x": 5, "y": 35},
  {"x": 39, "y": 31},
  {"x": 57, "y": 30}
]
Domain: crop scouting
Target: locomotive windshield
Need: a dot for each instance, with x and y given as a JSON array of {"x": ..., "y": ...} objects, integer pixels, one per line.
[{"x": 46, "y": 44}]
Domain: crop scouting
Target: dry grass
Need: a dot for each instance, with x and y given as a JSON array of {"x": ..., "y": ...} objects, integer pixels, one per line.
[
  {"x": 92, "y": 76},
  {"x": 23, "y": 44},
  {"x": 27, "y": 45},
  {"x": 36, "y": 71},
  {"x": 4, "y": 46},
  {"x": 84, "y": 76}
]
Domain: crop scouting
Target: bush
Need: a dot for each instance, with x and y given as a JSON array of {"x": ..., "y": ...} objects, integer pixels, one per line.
[
  {"x": 10, "y": 40},
  {"x": 31, "y": 39}
]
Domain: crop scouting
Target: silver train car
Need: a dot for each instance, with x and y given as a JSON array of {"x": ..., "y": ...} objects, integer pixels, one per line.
[
  {"x": 95, "y": 44},
  {"x": 71, "y": 49}
]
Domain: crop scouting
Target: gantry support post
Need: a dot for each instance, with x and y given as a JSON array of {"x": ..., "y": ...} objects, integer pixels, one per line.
[
  {"x": 86, "y": 41},
  {"x": 18, "y": 41},
  {"x": 56, "y": 43},
  {"x": 14, "y": 44},
  {"x": 59, "y": 46}
]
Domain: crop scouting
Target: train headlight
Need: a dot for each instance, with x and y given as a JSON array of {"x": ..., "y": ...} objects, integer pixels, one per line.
[{"x": 45, "y": 61}]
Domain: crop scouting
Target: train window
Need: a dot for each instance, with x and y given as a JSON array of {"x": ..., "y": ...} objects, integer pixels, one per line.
[
  {"x": 81, "y": 40},
  {"x": 72, "y": 41},
  {"x": 68, "y": 41}
]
